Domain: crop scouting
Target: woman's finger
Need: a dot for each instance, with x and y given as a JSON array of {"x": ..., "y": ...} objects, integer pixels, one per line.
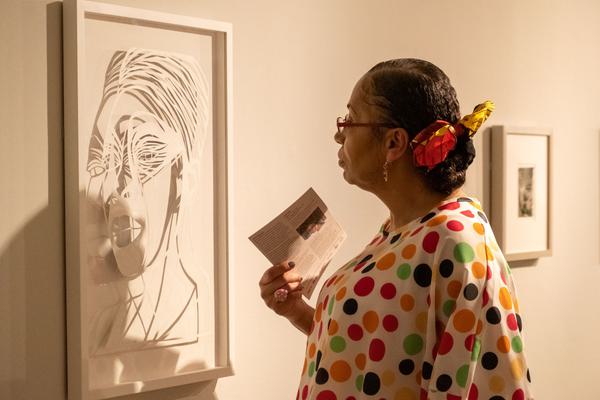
[
  {"x": 276, "y": 271},
  {"x": 268, "y": 289}
]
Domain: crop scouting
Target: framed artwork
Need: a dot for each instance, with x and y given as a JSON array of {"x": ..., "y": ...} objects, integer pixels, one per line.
[
  {"x": 148, "y": 122},
  {"x": 521, "y": 175}
]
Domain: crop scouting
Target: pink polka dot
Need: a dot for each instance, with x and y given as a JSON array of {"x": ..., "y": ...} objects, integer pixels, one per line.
[
  {"x": 390, "y": 323},
  {"x": 455, "y": 226},
  {"x": 445, "y": 344},
  {"x": 388, "y": 291},
  {"x": 470, "y": 342},
  {"x": 376, "y": 350},
  {"x": 468, "y": 213},
  {"x": 518, "y": 395},
  {"x": 355, "y": 332},
  {"x": 473, "y": 392},
  {"x": 364, "y": 286},
  {"x": 450, "y": 206},
  {"x": 326, "y": 395},
  {"x": 304, "y": 392},
  {"x": 430, "y": 242},
  {"x": 511, "y": 321}
]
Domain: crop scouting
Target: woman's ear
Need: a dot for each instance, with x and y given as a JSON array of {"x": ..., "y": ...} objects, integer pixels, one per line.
[{"x": 396, "y": 143}]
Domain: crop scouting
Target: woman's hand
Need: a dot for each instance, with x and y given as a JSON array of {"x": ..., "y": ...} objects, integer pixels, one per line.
[{"x": 281, "y": 289}]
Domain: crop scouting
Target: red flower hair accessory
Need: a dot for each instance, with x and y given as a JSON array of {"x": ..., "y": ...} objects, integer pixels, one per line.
[{"x": 432, "y": 145}]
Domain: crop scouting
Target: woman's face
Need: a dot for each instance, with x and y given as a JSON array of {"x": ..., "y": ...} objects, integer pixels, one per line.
[{"x": 362, "y": 154}]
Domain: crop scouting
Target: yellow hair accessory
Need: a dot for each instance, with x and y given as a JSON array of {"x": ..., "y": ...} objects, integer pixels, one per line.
[{"x": 474, "y": 120}]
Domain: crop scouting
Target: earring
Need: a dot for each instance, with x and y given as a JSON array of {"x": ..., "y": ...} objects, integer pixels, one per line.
[{"x": 386, "y": 165}]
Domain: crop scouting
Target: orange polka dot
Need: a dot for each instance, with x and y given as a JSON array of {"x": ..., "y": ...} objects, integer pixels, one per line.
[
  {"x": 340, "y": 293},
  {"x": 479, "y": 327},
  {"x": 409, "y": 251},
  {"x": 503, "y": 344},
  {"x": 340, "y": 371},
  {"x": 405, "y": 393},
  {"x": 454, "y": 288},
  {"x": 480, "y": 250},
  {"x": 333, "y": 327},
  {"x": 478, "y": 227},
  {"x": 386, "y": 261},
  {"x": 407, "y": 302},
  {"x": 421, "y": 322},
  {"x": 388, "y": 377},
  {"x": 371, "y": 321},
  {"x": 318, "y": 313},
  {"x": 516, "y": 367},
  {"x": 479, "y": 270},
  {"x": 438, "y": 298},
  {"x": 516, "y": 302},
  {"x": 361, "y": 361},
  {"x": 505, "y": 298},
  {"x": 419, "y": 377},
  {"x": 312, "y": 350},
  {"x": 464, "y": 320},
  {"x": 496, "y": 384},
  {"x": 437, "y": 220},
  {"x": 304, "y": 367}
]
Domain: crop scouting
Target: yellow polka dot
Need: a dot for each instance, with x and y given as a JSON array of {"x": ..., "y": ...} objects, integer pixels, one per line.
[
  {"x": 489, "y": 253},
  {"x": 340, "y": 293},
  {"x": 386, "y": 261},
  {"x": 304, "y": 367},
  {"x": 479, "y": 270},
  {"x": 407, "y": 302},
  {"x": 516, "y": 302},
  {"x": 405, "y": 394},
  {"x": 516, "y": 367},
  {"x": 371, "y": 321},
  {"x": 388, "y": 377},
  {"x": 480, "y": 249},
  {"x": 478, "y": 227},
  {"x": 409, "y": 251},
  {"x": 494, "y": 245},
  {"x": 437, "y": 220},
  {"x": 496, "y": 384},
  {"x": 505, "y": 298},
  {"x": 421, "y": 322}
]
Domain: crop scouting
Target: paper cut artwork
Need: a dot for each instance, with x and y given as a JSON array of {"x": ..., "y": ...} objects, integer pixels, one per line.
[{"x": 148, "y": 135}]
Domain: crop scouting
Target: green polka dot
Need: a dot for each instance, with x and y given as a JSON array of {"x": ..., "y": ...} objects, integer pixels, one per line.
[
  {"x": 476, "y": 350},
  {"x": 449, "y": 307},
  {"x": 517, "y": 344},
  {"x": 359, "y": 382},
  {"x": 311, "y": 369},
  {"x": 337, "y": 344},
  {"x": 403, "y": 271},
  {"x": 461, "y": 375},
  {"x": 351, "y": 264},
  {"x": 330, "y": 308},
  {"x": 413, "y": 344},
  {"x": 464, "y": 253}
]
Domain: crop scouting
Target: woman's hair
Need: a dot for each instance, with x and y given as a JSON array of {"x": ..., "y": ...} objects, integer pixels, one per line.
[{"x": 411, "y": 94}]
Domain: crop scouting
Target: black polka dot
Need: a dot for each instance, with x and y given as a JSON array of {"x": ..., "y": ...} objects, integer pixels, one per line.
[
  {"x": 482, "y": 216},
  {"x": 497, "y": 398},
  {"x": 319, "y": 355},
  {"x": 366, "y": 258},
  {"x": 446, "y": 268},
  {"x": 471, "y": 291},
  {"x": 322, "y": 376},
  {"x": 371, "y": 384},
  {"x": 489, "y": 360},
  {"x": 350, "y": 306},
  {"x": 427, "y": 370},
  {"x": 443, "y": 383},
  {"x": 368, "y": 268},
  {"x": 528, "y": 376},
  {"x": 493, "y": 315},
  {"x": 395, "y": 238},
  {"x": 422, "y": 275},
  {"x": 406, "y": 366},
  {"x": 464, "y": 200},
  {"x": 427, "y": 217},
  {"x": 519, "y": 322}
]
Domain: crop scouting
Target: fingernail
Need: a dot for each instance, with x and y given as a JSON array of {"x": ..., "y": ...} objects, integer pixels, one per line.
[{"x": 291, "y": 264}]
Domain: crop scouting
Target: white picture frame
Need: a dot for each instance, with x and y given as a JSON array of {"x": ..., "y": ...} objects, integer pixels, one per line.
[
  {"x": 521, "y": 182},
  {"x": 87, "y": 26}
]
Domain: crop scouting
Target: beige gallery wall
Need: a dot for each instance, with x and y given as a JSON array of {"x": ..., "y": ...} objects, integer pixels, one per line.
[{"x": 295, "y": 63}]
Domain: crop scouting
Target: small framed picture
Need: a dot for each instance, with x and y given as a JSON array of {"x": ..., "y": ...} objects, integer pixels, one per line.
[
  {"x": 147, "y": 191},
  {"x": 521, "y": 176}
]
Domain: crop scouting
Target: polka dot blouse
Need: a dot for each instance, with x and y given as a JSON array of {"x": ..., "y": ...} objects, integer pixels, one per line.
[{"x": 427, "y": 311}]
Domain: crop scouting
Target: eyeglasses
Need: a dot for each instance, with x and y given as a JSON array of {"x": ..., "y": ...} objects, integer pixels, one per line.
[{"x": 342, "y": 122}]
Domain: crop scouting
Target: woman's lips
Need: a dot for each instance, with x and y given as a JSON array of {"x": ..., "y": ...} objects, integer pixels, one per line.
[{"x": 340, "y": 163}]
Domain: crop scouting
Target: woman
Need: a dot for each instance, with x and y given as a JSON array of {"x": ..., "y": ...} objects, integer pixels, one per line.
[{"x": 428, "y": 309}]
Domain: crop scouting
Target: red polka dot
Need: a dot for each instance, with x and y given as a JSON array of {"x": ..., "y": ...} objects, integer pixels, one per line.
[
  {"x": 489, "y": 273},
  {"x": 376, "y": 350},
  {"x": 452, "y": 397},
  {"x": 518, "y": 395},
  {"x": 326, "y": 395},
  {"x": 390, "y": 323},
  {"x": 320, "y": 330},
  {"x": 473, "y": 392},
  {"x": 304, "y": 392},
  {"x": 423, "y": 394},
  {"x": 470, "y": 342},
  {"x": 355, "y": 332},
  {"x": 350, "y": 398},
  {"x": 485, "y": 298},
  {"x": 450, "y": 206},
  {"x": 455, "y": 226},
  {"x": 511, "y": 321},
  {"x": 468, "y": 213},
  {"x": 416, "y": 231},
  {"x": 364, "y": 286},
  {"x": 445, "y": 344},
  {"x": 388, "y": 291},
  {"x": 330, "y": 281},
  {"x": 430, "y": 242},
  {"x": 325, "y": 302}
]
